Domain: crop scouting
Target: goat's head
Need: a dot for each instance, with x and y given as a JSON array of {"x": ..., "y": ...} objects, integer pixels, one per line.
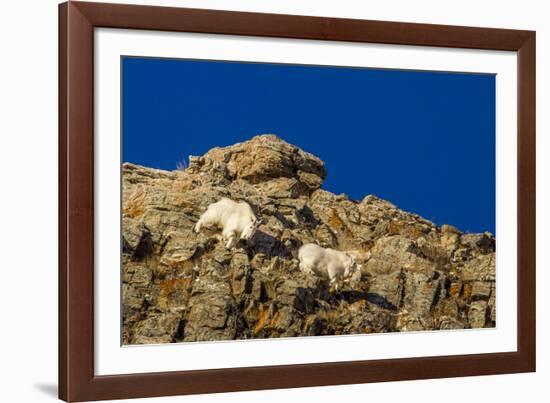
[
  {"x": 352, "y": 274},
  {"x": 250, "y": 229}
]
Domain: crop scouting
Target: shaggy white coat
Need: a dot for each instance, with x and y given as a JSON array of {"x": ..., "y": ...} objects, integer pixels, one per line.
[
  {"x": 329, "y": 263},
  {"x": 236, "y": 220}
]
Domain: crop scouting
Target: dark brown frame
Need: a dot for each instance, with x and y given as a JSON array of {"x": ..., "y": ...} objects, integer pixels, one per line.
[{"x": 77, "y": 381}]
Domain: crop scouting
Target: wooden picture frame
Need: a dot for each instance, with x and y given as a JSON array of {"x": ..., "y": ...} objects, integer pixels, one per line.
[{"x": 77, "y": 21}]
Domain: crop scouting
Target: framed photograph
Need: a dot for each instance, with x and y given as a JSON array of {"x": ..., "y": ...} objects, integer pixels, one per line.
[{"x": 256, "y": 201}]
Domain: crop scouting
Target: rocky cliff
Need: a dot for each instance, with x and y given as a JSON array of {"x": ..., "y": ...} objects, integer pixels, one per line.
[{"x": 179, "y": 286}]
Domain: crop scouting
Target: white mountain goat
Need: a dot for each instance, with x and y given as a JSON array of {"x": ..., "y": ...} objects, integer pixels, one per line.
[
  {"x": 236, "y": 220},
  {"x": 326, "y": 262}
]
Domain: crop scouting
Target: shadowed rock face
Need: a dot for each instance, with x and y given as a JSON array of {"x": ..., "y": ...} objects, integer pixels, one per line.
[{"x": 182, "y": 286}]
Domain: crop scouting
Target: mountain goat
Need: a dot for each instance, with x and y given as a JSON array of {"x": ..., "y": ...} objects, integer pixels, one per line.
[
  {"x": 326, "y": 262},
  {"x": 236, "y": 220}
]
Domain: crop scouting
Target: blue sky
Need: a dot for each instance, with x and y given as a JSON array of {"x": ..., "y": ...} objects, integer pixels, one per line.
[{"x": 423, "y": 140}]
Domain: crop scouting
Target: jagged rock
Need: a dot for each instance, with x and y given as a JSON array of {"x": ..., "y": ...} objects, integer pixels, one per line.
[
  {"x": 449, "y": 229},
  {"x": 477, "y": 315},
  {"x": 182, "y": 286}
]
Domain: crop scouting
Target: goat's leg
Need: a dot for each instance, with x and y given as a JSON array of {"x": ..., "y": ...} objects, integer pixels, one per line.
[
  {"x": 334, "y": 277},
  {"x": 306, "y": 267},
  {"x": 334, "y": 283},
  {"x": 198, "y": 226},
  {"x": 231, "y": 240},
  {"x": 303, "y": 266}
]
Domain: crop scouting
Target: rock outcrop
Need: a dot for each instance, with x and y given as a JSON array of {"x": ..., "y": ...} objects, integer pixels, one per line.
[{"x": 179, "y": 286}]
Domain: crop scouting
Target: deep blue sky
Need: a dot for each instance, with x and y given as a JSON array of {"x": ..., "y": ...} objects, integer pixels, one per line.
[{"x": 423, "y": 140}]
